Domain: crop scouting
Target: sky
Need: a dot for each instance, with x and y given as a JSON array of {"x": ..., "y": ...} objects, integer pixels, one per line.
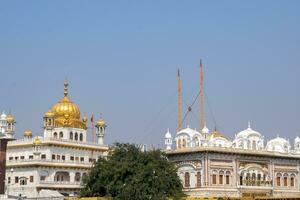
[{"x": 121, "y": 59}]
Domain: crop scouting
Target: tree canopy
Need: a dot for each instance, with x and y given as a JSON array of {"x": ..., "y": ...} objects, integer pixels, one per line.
[{"x": 130, "y": 174}]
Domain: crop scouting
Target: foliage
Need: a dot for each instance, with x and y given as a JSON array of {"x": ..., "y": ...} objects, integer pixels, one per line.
[{"x": 130, "y": 174}]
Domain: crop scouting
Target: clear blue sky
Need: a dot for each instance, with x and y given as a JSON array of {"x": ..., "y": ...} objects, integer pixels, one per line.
[{"x": 121, "y": 59}]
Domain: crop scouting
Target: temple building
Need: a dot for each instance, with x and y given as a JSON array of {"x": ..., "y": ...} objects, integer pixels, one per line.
[
  {"x": 210, "y": 164},
  {"x": 57, "y": 161}
]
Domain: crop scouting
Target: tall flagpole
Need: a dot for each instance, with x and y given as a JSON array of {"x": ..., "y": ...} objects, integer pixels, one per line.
[
  {"x": 93, "y": 130},
  {"x": 201, "y": 98},
  {"x": 178, "y": 103}
]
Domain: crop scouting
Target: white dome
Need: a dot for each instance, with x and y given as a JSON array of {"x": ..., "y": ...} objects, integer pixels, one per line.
[
  {"x": 278, "y": 144},
  {"x": 168, "y": 135},
  {"x": 297, "y": 139},
  {"x": 205, "y": 130},
  {"x": 248, "y": 132},
  {"x": 3, "y": 116},
  {"x": 189, "y": 131}
]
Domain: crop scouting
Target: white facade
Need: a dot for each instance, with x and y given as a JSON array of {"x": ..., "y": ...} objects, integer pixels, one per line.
[
  {"x": 211, "y": 165},
  {"x": 57, "y": 160}
]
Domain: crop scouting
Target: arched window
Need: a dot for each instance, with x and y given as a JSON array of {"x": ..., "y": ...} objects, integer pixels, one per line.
[
  {"x": 248, "y": 144},
  {"x": 198, "y": 179},
  {"x": 285, "y": 180},
  {"x": 221, "y": 177},
  {"x": 227, "y": 178},
  {"x": 278, "y": 179},
  {"x": 80, "y": 136},
  {"x": 61, "y": 135},
  {"x": 292, "y": 181},
  {"x": 186, "y": 179},
  {"x": 76, "y": 136},
  {"x": 55, "y": 135},
  {"x": 71, "y": 135},
  {"x": 214, "y": 178}
]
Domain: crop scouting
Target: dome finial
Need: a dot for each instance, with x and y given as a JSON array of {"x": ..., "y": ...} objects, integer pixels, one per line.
[
  {"x": 66, "y": 88},
  {"x": 249, "y": 124}
]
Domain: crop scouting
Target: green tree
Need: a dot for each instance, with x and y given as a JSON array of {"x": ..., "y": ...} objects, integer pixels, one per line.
[{"x": 130, "y": 174}]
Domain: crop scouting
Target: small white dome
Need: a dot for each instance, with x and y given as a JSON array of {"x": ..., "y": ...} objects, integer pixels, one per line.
[
  {"x": 168, "y": 135},
  {"x": 297, "y": 139},
  {"x": 205, "y": 130},
  {"x": 3, "y": 116},
  {"x": 189, "y": 132},
  {"x": 248, "y": 132},
  {"x": 278, "y": 144}
]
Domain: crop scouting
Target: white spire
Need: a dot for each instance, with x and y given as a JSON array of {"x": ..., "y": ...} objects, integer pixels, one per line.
[{"x": 249, "y": 125}]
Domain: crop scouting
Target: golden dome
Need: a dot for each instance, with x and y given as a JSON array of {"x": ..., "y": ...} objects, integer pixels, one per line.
[
  {"x": 66, "y": 113},
  {"x": 216, "y": 134},
  {"x": 37, "y": 141},
  {"x": 10, "y": 119},
  {"x": 101, "y": 122},
  {"x": 27, "y": 133}
]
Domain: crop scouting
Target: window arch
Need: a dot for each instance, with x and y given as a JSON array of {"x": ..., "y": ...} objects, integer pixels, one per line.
[
  {"x": 71, "y": 135},
  {"x": 292, "y": 180},
  {"x": 278, "y": 179},
  {"x": 76, "y": 136},
  {"x": 227, "y": 181},
  {"x": 80, "y": 136},
  {"x": 214, "y": 178},
  {"x": 198, "y": 179},
  {"x": 61, "y": 135},
  {"x": 285, "y": 180},
  {"x": 186, "y": 179},
  {"x": 55, "y": 135},
  {"x": 221, "y": 174}
]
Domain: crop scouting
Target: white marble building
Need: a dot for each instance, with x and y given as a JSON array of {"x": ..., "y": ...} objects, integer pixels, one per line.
[
  {"x": 58, "y": 159},
  {"x": 211, "y": 165}
]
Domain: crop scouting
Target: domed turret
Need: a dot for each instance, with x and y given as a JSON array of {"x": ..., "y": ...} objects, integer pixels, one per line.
[
  {"x": 101, "y": 127},
  {"x": 168, "y": 140},
  {"x": 10, "y": 119},
  {"x": 27, "y": 134},
  {"x": 101, "y": 122},
  {"x": 278, "y": 144},
  {"x": 37, "y": 141}
]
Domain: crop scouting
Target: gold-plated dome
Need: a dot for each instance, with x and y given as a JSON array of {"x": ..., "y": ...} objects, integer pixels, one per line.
[
  {"x": 216, "y": 134},
  {"x": 37, "y": 141},
  {"x": 101, "y": 122},
  {"x": 27, "y": 133},
  {"x": 66, "y": 113},
  {"x": 10, "y": 119}
]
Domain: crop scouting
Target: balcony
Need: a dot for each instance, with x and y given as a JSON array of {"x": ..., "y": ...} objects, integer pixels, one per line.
[
  {"x": 46, "y": 162},
  {"x": 59, "y": 184}
]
